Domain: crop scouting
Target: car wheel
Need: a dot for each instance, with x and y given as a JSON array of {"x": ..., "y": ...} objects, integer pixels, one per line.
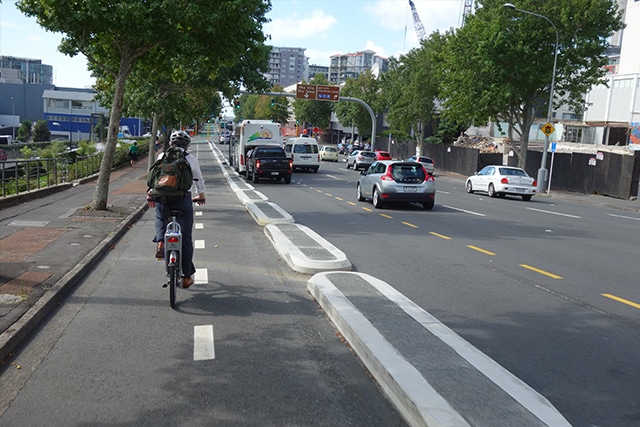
[
  {"x": 469, "y": 187},
  {"x": 287, "y": 179},
  {"x": 377, "y": 200},
  {"x": 315, "y": 170},
  {"x": 256, "y": 178},
  {"x": 526, "y": 197},
  {"x": 359, "y": 193},
  {"x": 429, "y": 205},
  {"x": 492, "y": 191},
  {"x": 348, "y": 166}
]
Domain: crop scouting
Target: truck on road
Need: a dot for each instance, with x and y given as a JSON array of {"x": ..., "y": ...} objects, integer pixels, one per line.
[
  {"x": 252, "y": 133},
  {"x": 269, "y": 161}
]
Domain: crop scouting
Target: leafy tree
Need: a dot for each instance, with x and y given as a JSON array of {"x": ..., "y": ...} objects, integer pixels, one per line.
[
  {"x": 41, "y": 131},
  {"x": 411, "y": 88},
  {"x": 499, "y": 65},
  {"x": 280, "y": 108},
  {"x": 316, "y": 113},
  {"x": 116, "y": 36},
  {"x": 247, "y": 110},
  {"x": 366, "y": 88},
  {"x": 24, "y": 131}
]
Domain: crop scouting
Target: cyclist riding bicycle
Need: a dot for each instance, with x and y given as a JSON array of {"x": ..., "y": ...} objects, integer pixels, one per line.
[{"x": 184, "y": 203}]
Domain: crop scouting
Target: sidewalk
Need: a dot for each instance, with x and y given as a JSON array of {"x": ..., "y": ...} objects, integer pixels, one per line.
[{"x": 48, "y": 243}]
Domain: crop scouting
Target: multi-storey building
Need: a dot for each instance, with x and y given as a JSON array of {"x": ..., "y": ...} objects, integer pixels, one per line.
[
  {"x": 613, "y": 110},
  {"x": 318, "y": 69},
  {"x": 351, "y": 65},
  {"x": 24, "y": 71},
  {"x": 287, "y": 66}
]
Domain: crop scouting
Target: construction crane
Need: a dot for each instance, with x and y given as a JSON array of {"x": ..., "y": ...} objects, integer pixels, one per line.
[
  {"x": 417, "y": 22},
  {"x": 467, "y": 9}
]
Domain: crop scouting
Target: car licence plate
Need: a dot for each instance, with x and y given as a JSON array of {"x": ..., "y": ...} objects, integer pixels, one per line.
[
  {"x": 275, "y": 173},
  {"x": 519, "y": 190},
  {"x": 410, "y": 189}
]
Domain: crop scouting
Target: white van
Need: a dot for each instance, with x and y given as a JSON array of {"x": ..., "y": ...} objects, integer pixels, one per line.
[
  {"x": 304, "y": 152},
  {"x": 252, "y": 133}
]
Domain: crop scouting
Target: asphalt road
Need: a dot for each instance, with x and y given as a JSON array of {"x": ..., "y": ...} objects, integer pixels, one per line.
[
  {"x": 247, "y": 345},
  {"x": 548, "y": 288}
]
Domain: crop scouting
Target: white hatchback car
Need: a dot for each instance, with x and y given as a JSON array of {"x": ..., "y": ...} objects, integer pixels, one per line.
[
  {"x": 499, "y": 181},
  {"x": 329, "y": 153}
]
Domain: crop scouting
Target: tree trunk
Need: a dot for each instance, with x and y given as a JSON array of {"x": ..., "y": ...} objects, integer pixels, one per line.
[
  {"x": 152, "y": 144},
  {"x": 101, "y": 194}
]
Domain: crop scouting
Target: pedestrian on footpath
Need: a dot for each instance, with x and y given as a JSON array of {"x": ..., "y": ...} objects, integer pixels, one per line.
[{"x": 133, "y": 153}]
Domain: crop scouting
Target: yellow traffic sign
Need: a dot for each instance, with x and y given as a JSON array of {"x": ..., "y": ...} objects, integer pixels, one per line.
[{"x": 548, "y": 129}]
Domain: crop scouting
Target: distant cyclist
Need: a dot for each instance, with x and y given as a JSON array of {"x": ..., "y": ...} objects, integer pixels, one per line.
[{"x": 184, "y": 203}]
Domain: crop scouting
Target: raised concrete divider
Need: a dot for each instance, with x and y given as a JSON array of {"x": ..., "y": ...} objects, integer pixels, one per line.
[
  {"x": 432, "y": 375},
  {"x": 265, "y": 213},
  {"x": 305, "y": 250}
]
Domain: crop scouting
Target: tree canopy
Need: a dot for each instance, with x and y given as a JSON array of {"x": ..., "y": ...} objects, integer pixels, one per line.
[{"x": 116, "y": 36}]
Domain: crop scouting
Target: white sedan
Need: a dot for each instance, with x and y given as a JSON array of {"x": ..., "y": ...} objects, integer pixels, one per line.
[{"x": 499, "y": 181}]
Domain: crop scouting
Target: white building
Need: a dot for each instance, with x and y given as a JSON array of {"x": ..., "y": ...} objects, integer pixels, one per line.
[{"x": 614, "y": 110}]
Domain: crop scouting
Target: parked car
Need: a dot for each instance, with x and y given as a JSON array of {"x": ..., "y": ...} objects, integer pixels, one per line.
[
  {"x": 383, "y": 155},
  {"x": 360, "y": 159},
  {"x": 427, "y": 162},
  {"x": 329, "y": 153},
  {"x": 396, "y": 181},
  {"x": 342, "y": 148},
  {"x": 499, "y": 181}
]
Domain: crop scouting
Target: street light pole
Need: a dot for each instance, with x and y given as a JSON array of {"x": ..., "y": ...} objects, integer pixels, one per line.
[
  {"x": 13, "y": 121},
  {"x": 542, "y": 172}
]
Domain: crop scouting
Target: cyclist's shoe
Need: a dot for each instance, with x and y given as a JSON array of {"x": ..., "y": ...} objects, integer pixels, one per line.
[
  {"x": 186, "y": 282},
  {"x": 160, "y": 250}
]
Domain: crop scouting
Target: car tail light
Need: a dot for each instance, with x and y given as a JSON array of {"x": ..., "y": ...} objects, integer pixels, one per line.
[
  {"x": 430, "y": 178},
  {"x": 535, "y": 183},
  {"x": 387, "y": 175},
  {"x": 504, "y": 181},
  {"x": 257, "y": 164}
]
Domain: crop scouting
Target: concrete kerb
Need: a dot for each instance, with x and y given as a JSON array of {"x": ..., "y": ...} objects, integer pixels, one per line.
[
  {"x": 50, "y": 299},
  {"x": 265, "y": 213},
  {"x": 412, "y": 395}
]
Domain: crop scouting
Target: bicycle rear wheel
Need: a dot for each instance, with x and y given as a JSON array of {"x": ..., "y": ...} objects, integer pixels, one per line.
[{"x": 174, "y": 278}]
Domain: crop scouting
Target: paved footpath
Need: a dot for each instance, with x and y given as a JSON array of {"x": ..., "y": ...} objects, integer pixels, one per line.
[{"x": 48, "y": 243}]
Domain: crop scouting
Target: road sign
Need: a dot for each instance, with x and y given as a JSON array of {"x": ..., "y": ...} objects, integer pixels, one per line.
[
  {"x": 306, "y": 92},
  {"x": 553, "y": 147},
  {"x": 328, "y": 93},
  {"x": 548, "y": 129}
]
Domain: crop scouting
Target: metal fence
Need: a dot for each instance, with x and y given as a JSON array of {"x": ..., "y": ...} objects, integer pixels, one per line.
[{"x": 18, "y": 176}]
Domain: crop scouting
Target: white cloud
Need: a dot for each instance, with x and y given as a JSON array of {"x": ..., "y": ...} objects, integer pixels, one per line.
[
  {"x": 379, "y": 50},
  {"x": 293, "y": 27},
  {"x": 389, "y": 14}
]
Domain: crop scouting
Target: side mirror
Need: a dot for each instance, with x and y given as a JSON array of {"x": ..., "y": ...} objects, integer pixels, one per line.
[{"x": 364, "y": 172}]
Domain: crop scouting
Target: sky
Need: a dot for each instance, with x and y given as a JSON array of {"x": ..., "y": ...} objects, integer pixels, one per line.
[{"x": 322, "y": 27}]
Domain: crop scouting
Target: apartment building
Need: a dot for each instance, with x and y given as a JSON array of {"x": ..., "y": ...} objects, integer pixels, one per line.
[
  {"x": 351, "y": 65},
  {"x": 287, "y": 66}
]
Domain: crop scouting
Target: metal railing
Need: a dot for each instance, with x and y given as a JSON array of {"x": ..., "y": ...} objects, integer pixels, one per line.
[{"x": 19, "y": 176}]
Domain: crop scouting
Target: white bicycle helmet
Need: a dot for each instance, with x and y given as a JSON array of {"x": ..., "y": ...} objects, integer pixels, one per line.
[{"x": 180, "y": 138}]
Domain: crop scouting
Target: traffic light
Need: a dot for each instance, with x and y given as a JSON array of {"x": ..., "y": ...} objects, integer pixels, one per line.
[
  {"x": 273, "y": 102},
  {"x": 236, "y": 102}
]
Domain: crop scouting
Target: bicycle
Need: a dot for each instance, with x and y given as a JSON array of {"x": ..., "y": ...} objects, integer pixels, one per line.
[{"x": 173, "y": 254}]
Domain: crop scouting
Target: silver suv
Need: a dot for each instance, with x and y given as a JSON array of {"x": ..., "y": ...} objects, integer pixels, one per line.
[
  {"x": 360, "y": 159},
  {"x": 396, "y": 181}
]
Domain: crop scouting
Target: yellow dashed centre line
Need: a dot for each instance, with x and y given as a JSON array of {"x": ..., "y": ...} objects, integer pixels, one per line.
[
  {"x": 386, "y": 216},
  {"x": 339, "y": 198},
  {"x": 352, "y": 204},
  {"x": 408, "y": 224},
  {"x": 366, "y": 209},
  {"x": 475, "y": 248},
  {"x": 622, "y": 300},
  {"x": 537, "y": 270},
  {"x": 328, "y": 194},
  {"x": 442, "y": 236}
]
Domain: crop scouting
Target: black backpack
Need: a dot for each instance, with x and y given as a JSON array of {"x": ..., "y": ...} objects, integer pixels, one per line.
[{"x": 170, "y": 176}]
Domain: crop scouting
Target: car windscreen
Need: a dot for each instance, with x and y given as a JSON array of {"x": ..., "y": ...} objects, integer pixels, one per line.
[
  {"x": 512, "y": 172},
  {"x": 367, "y": 154},
  {"x": 304, "y": 149}
]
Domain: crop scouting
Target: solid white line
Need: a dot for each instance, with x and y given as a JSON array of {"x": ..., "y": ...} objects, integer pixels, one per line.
[
  {"x": 199, "y": 213},
  {"x": 203, "y": 348},
  {"x": 201, "y": 276},
  {"x": 198, "y": 244},
  {"x": 625, "y": 217},
  {"x": 554, "y": 213},
  {"x": 199, "y": 225},
  {"x": 463, "y": 210}
]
